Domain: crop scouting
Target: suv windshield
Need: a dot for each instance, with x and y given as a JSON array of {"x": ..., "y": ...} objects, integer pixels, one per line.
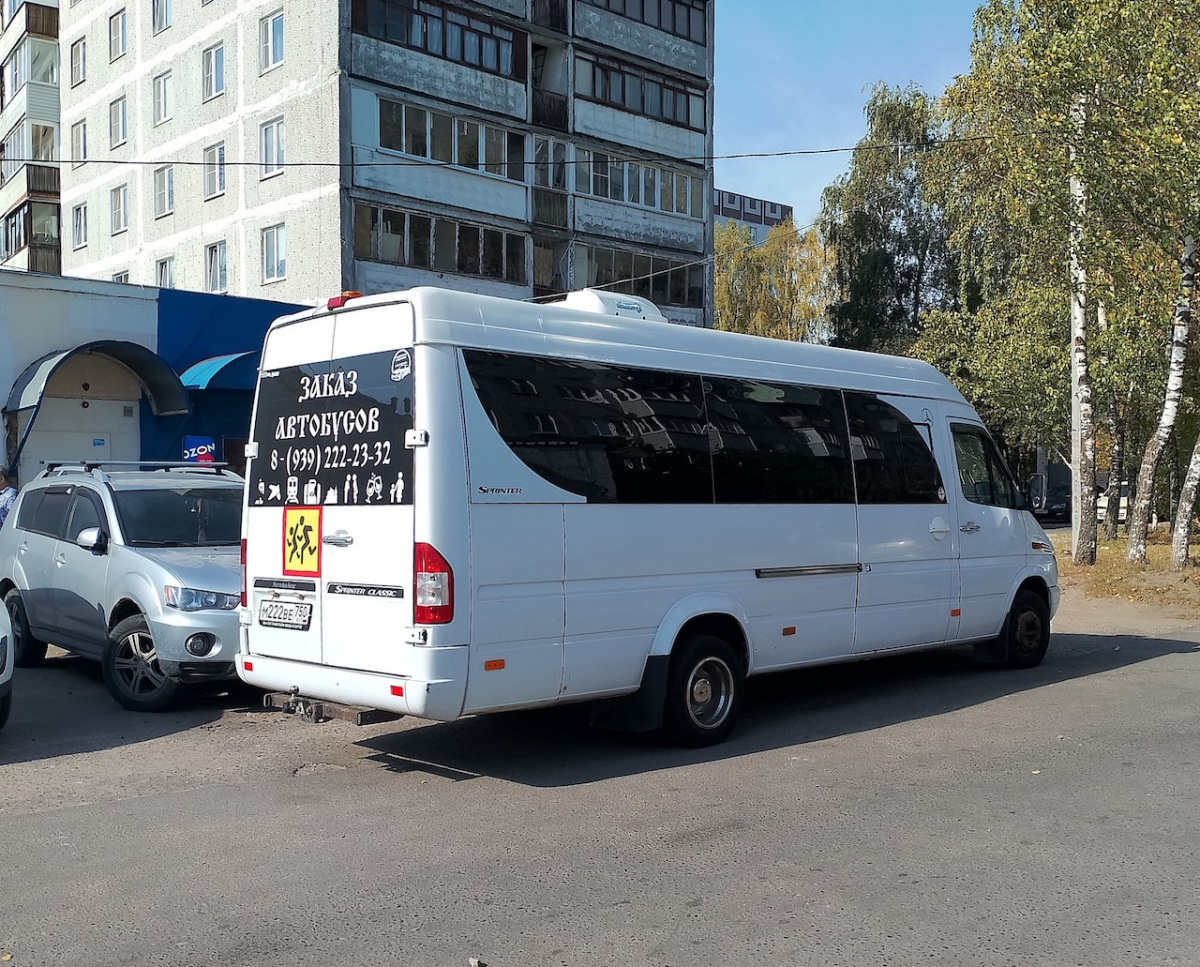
[{"x": 204, "y": 516}]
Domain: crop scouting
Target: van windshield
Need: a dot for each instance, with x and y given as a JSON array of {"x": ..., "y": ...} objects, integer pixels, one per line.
[{"x": 199, "y": 517}]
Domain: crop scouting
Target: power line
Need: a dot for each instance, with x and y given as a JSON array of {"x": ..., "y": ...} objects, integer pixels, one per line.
[{"x": 506, "y": 163}]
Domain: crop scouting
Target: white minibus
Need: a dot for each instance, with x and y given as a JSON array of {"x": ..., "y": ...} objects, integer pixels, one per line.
[{"x": 460, "y": 504}]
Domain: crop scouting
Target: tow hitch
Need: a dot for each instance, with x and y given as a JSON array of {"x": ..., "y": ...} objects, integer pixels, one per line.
[{"x": 314, "y": 711}]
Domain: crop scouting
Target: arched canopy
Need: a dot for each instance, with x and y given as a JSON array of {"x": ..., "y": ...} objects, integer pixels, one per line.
[
  {"x": 232, "y": 371},
  {"x": 162, "y": 387}
]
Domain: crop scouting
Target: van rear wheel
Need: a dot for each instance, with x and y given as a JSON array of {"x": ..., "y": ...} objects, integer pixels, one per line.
[
  {"x": 704, "y": 692},
  {"x": 1027, "y": 631}
]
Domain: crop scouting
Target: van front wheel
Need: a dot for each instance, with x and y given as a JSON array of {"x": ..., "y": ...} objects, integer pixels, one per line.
[
  {"x": 1027, "y": 631},
  {"x": 704, "y": 692}
]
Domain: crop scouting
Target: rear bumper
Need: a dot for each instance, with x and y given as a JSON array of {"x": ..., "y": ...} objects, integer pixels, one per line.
[{"x": 437, "y": 697}]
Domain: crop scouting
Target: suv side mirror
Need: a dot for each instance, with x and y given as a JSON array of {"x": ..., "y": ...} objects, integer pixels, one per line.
[
  {"x": 1037, "y": 491},
  {"x": 92, "y": 539}
]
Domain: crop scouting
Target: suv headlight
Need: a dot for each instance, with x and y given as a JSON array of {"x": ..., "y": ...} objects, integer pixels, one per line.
[{"x": 189, "y": 599}]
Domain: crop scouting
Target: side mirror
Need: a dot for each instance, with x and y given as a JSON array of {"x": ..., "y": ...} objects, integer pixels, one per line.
[
  {"x": 1037, "y": 491},
  {"x": 92, "y": 539}
]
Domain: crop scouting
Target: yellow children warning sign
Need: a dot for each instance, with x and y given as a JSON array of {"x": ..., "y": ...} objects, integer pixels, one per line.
[{"x": 302, "y": 541}]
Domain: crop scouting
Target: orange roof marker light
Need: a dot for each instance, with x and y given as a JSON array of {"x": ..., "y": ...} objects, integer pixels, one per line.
[{"x": 340, "y": 300}]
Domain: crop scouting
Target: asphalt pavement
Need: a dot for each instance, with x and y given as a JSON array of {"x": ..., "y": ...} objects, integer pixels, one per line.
[{"x": 912, "y": 810}]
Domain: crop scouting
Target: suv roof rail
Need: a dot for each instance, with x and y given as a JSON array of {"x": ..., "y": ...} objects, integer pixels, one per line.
[{"x": 96, "y": 467}]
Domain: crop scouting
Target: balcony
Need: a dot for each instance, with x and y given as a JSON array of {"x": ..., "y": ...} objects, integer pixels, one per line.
[
  {"x": 551, "y": 14},
  {"x": 550, "y": 110},
  {"x": 35, "y": 19},
  {"x": 45, "y": 258},
  {"x": 550, "y": 207}
]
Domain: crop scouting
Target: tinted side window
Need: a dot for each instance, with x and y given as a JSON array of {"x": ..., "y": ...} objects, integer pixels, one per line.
[
  {"x": 893, "y": 462},
  {"x": 51, "y": 513},
  {"x": 84, "y": 514},
  {"x": 981, "y": 470},
  {"x": 608, "y": 433},
  {"x": 30, "y": 503},
  {"x": 778, "y": 444}
]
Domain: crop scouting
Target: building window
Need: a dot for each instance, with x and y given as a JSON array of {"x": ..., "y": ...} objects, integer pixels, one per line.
[
  {"x": 214, "y": 71},
  {"x": 443, "y": 32},
  {"x": 270, "y": 41},
  {"x": 78, "y": 143},
  {"x": 120, "y": 208},
  {"x": 161, "y": 12},
  {"x": 664, "y": 282},
  {"x": 271, "y": 147},
  {"x": 164, "y": 273},
  {"x": 116, "y": 35},
  {"x": 441, "y": 244},
  {"x": 683, "y": 18},
  {"x": 635, "y": 183},
  {"x": 117, "y": 127},
  {"x": 550, "y": 164},
  {"x": 121, "y": 276},
  {"x": 638, "y": 91},
  {"x": 13, "y": 238},
  {"x": 273, "y": 254},
  {"x": 214, "y": 170},
  {"x": 438, "y": 137},
  {"x": 164, "y": 97},
  {"x": 214, "y": 267},
  {"x": 78, "y": 62},
  {"x": 79, "y": 226},
  {"x": 164, "y": 191}
]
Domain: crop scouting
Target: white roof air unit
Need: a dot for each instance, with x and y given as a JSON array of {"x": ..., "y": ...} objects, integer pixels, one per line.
[{"x": 612, "y": 304}]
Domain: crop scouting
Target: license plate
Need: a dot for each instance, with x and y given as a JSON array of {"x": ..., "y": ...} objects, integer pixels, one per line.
[{"x": 285, "y": 614}]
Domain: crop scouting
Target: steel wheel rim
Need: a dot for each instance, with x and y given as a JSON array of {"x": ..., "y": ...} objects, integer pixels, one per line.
[
  {"x": 1028, "y": 634},
  {"x": 710, "y": 693},
  {"x": 136, "y": 665}
]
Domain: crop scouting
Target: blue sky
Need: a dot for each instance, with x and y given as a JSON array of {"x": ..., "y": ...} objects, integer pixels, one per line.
[{"x": 795, "y": 74}]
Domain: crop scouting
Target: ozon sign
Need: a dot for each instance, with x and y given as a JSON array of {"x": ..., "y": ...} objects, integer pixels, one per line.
[{"x": 199, "y": 449}]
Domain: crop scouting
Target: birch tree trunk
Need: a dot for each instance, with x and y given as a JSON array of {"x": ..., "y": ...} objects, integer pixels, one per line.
[
  {"x": 1181, "y": 539},
  {"x": 1112, "y": 496},
  {"x": 1083, "y": 443},
  {"x": 1139, "y": 510}
]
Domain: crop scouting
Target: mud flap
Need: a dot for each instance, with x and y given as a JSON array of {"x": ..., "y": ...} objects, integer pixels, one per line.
[{"x": 643, "y": 710}]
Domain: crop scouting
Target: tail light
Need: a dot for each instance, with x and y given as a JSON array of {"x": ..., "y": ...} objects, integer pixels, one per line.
[
  {"x": 243, "y": 572},
  {"x": 433, "y": 587}
]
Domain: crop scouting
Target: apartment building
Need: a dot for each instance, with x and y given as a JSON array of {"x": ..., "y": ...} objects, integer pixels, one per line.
[
  {"x": 756, "y": 214},
  {"x": 291, "y": 149},
  {"x": 29, "y": 151}
]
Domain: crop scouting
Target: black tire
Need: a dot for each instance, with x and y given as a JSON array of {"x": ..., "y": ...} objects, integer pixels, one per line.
[
  {"x": 5, "y": 708},
  {"x": 131, "y": 670},
  {"x": 704, "y": 692},
  {"x": 1026, "y": 631},
  {"x": 28, "y": 651}
]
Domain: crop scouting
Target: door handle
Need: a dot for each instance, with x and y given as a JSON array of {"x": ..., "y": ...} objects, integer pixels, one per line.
[
  {"x": 970, "y": 527},
  {"x": 60, "y": 560},
  {"x": 338, "y": 539}
]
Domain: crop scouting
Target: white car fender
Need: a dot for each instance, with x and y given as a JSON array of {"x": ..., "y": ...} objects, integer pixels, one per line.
[{"x": 694, "y": 605}]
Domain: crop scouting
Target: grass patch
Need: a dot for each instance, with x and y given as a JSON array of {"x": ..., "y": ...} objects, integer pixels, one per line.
[{"x": 1113, "y": 577}]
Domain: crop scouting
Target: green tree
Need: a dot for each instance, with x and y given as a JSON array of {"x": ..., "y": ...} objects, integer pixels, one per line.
[
  {"x": 1096, "y": 96},
  {"x": 892, "y": 259}
]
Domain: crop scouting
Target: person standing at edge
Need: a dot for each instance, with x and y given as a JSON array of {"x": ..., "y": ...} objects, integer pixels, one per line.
[{"x": 8, "y": 495}]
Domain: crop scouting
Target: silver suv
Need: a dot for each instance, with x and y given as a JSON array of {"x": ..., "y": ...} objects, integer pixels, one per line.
[
  {"x": 6, "y": 668},
  {"x": 136, "y": 568}
]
